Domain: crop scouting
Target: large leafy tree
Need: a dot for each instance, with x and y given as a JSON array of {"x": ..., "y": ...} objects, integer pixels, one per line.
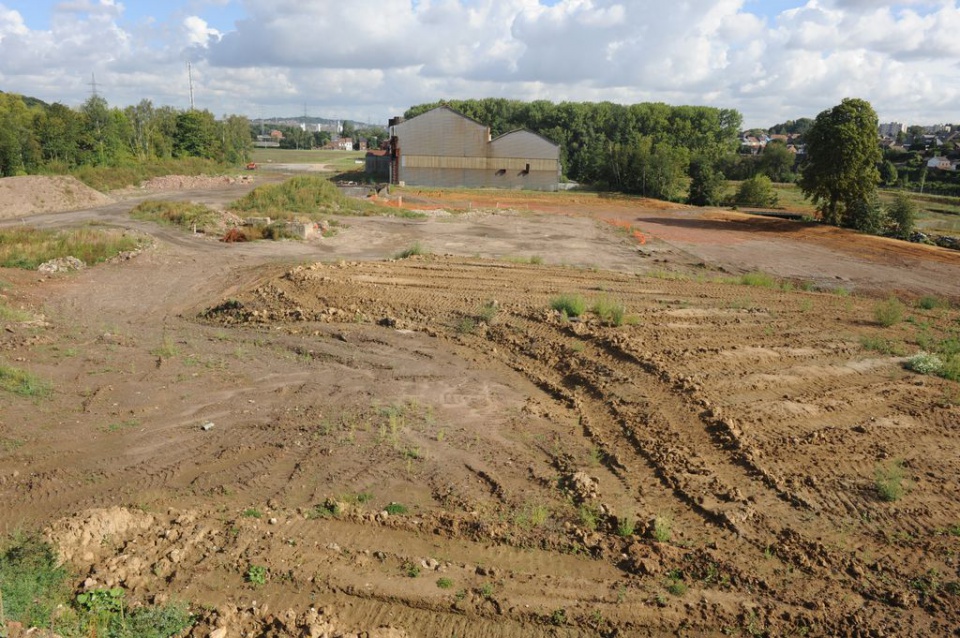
[{"x": 840, "y": 173}]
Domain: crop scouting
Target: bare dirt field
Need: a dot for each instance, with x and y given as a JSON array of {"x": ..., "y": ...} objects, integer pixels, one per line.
[{"x": 423, "y": 447}]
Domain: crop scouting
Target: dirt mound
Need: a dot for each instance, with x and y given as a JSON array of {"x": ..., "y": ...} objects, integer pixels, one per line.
[
  {"x": 184, "y": 182},
  {"x": 34, "y": 194}
]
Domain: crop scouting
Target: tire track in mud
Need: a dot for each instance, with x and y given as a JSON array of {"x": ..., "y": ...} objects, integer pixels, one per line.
[{"x": 678, "y": 419}]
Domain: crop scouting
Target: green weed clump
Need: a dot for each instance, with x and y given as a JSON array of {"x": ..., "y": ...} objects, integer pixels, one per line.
[
  {"x": 662, "y": 528},
  {"x": 568, "y": 304},
  {"x": 23, "y": 383},
  {"x": 395, "y": 508},
  {"x": 185, "y": 215},
  {"x": 26, "y": 247},
  {"x": 888, "y": 312},
  {"x": 888, "y": 481},
  {"x": 929, "y": 302},
  {"x": 413, "y": 251},
  {"x": 610, "y": 312}
]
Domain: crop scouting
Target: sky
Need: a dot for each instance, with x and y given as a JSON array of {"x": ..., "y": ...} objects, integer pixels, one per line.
[{"x": 368, "y": 60}]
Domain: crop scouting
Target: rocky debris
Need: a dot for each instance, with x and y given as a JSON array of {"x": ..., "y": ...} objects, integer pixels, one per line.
[
  {"x": 582, "y": 486},
  {"x": 61, "y": 264},
  {"x": 181, "y": 182},
  {"x": 944, "y": 241},
  {"x": 259, "y": 621}
]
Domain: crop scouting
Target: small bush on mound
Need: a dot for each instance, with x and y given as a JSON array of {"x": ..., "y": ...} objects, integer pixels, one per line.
[
  {"x": 27, "y": 247},
  {"x": 889, "y": 312},
  {"x": 570, "y": 305},
  {"x": 756, "y": 192},
  {"x": 183, "y": 214}
]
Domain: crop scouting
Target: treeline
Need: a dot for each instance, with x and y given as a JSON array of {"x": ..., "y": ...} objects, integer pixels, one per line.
[
  {"x": 36, "y": 137},
  {"x": 646, "y": 149}
]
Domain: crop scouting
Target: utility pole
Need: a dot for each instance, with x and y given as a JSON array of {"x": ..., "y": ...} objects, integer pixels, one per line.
[
  {"x": 190, "y": 78},
  {"x": 93, "y": 84}
]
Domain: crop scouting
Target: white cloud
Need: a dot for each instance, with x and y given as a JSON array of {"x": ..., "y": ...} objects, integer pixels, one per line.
[{"x": 380, "y": 56}]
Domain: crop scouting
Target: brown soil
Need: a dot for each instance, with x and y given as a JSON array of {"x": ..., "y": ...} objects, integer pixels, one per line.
[
  {"x": 29, "y": 195},
  {"x": 219, "y": 406}
]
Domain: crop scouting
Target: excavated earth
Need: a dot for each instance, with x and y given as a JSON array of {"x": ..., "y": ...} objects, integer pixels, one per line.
[{"x": 423, "y": 447}]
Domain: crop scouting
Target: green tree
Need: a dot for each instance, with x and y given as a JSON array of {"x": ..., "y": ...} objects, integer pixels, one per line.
[
  {"x": 756, "y": 192},
  {"x": 237, "y": 142},
  {"x": 842, "y": 156},
  {"x": 902, "y": 216},
  {"x": 777, "y": 161},
  {"x": 706, "y": 183},
  {"x": 888, "y": 173},
  {"x": 197, "y": 135}
]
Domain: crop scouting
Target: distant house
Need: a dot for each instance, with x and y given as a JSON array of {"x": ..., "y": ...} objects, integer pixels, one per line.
[
  {"x": 445, "y": 148},
  {"x": 340, "y": 144},
  {"x": 941, "y": 163}
]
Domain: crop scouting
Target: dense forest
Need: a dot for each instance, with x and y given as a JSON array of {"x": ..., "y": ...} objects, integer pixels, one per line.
[
  {"x": 38, "y": 137},
  {"x": 646, "y": 149}
]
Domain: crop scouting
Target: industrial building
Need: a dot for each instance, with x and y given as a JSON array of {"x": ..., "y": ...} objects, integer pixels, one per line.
[{"x": 445, "y": 148}]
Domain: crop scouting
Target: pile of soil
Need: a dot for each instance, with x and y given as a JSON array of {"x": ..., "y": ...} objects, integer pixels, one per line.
[
  {"x": 181, "y": 182},
  {"x": 33, "y": 194}
]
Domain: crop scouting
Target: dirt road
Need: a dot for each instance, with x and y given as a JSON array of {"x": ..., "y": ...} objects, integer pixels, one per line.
[{"x": 425, "y": 445}]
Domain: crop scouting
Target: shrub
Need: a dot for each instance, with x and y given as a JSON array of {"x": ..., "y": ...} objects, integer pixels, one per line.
[
  {"x": 571, "y": 305},
  {"x": 925, "y": 363},
  {"x": 626, "y": 526},
  {"x": 444, "y": 583},
  {"x": 888, "y": 312},
  {"x": 756, "y": 192},
  {"x": 488, "y": 312},
  {"x": 888, "y": 481},
  {"x": 867, "y": 216},
  {"x": 929, "y": 302}
]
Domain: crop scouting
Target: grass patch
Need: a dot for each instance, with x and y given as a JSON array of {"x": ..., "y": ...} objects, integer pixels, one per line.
[
  {"x": 413, "y": 251},
  {"x": 883, "y": 346},
  {"x": 610, "y": 312},
  {"x": 888, "y": 312},
  {"x": 8, "y": 313},
  {"x": 396, "y": 508},
  {"x": 662, "y": 528},
  {"x": 488, "y": 312},
  {"x": 36, "y": 591},
  {"x": 626, "y": 526},
  {"x": 930, "y": 302},
  {"x": 26, "y": 247},
  {"x": 758, "y": 280},
  {"x": 466, "y": 326},
  {"x": 107, "y": 178},
  {"x": 252, "y": 512},
  {"x": 568, "y": 304},
  {"x": 23, "y": 383},
  {"x": 444, "y": 583},
  {"x": 185, "y": 215},
  {"x": 32, "y": 582},
  {"x": 306, "y": 195},
  {"x": 888, "y": 481}
]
